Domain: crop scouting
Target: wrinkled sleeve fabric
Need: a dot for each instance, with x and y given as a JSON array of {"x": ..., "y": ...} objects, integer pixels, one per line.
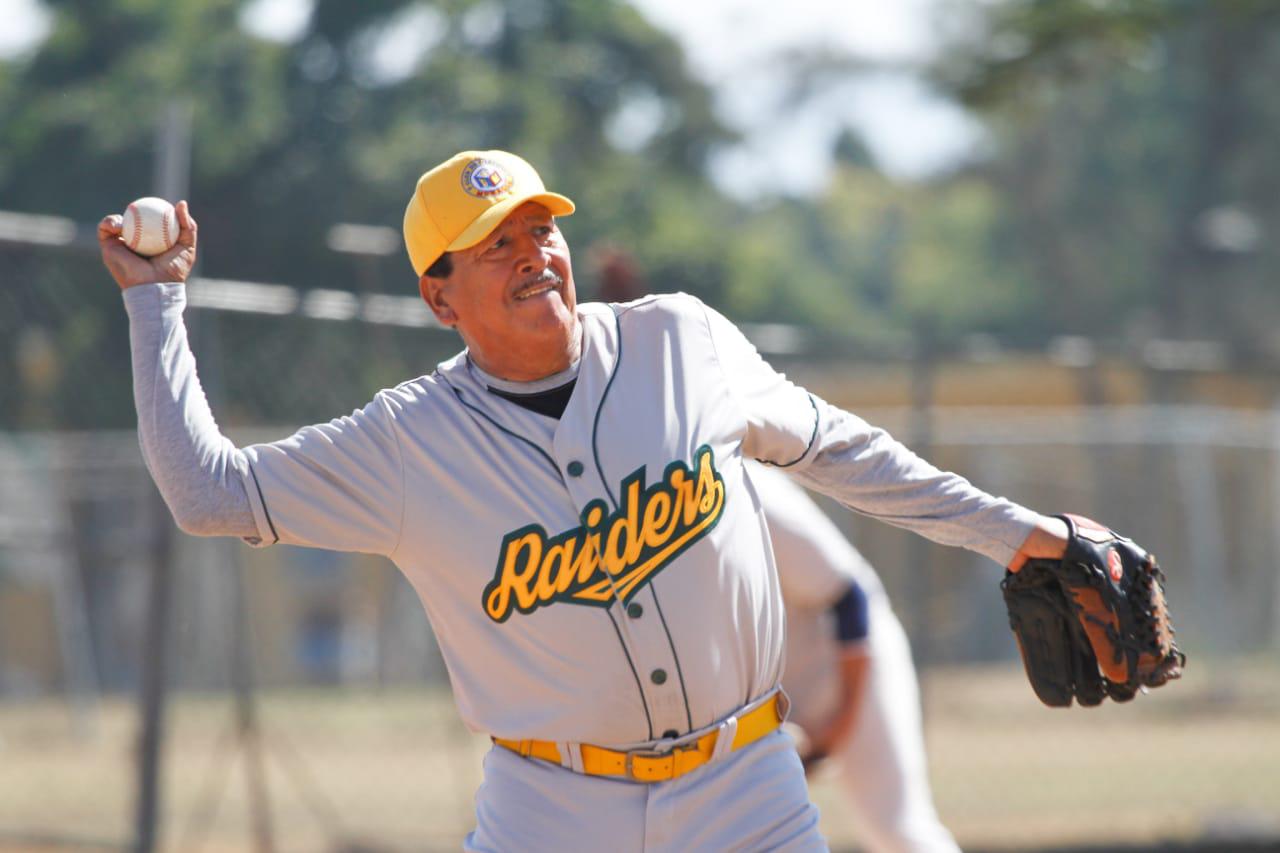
[
  {"x": 781, "y": 417},
  {"x": 199, "y": 472},
  {"x": 840, "y": 455},
  {"x": 336, "y": 485},
  {"x": 867, "y": 470}
]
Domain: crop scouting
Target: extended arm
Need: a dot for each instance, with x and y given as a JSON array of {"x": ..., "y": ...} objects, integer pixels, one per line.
[
  {"x": 842, "y": 456},
  {"x": 869, "y": 471}
]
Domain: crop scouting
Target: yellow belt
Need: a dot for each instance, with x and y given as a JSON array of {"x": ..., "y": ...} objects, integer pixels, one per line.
[{"x": 644, "y": 765}]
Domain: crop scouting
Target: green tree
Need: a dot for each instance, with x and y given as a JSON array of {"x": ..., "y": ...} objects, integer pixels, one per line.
[
  {"x": 1135, "y": 148},
  {"x": 290, "y": 139}
]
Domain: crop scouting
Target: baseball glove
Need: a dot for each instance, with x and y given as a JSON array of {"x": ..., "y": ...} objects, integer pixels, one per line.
[{"x": 1093, "y": 624}]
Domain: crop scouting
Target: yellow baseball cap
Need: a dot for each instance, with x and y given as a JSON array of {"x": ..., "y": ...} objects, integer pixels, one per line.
[{"x": 456, "y": 204}]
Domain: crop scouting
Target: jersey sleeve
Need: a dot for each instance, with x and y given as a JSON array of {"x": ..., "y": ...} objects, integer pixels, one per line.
[
  {"x": 198, "y": 471},
  {"x": 840, "y": 455},
  {"x": 867, "y": 470},
  {"x": 782, "y": 419},
  {"x": 338, "y": 485}
]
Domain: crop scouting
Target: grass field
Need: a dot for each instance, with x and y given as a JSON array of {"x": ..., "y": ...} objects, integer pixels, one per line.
[{"x": 1197, "y": 763}]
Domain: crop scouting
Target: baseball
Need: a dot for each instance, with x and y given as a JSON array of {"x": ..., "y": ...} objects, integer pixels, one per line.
[{"x": 150, "y": 226}]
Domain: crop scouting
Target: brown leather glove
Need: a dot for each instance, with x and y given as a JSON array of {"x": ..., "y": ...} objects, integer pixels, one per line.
[{"x": 1095, "y": 623}]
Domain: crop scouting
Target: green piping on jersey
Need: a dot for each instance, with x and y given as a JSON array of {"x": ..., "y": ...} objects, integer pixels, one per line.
[
  {"x": 275, "y": 537},
  {"x": 653, "y": 589},
  {"x": 458, "y": 393},
  {"x": 812, "y": 437},
  {"x": 595, "y": 426}
]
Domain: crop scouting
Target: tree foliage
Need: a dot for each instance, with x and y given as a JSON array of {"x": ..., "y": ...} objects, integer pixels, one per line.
[
  {"x": 1128, "y": 189},
  {"x": 1134, "y": 151},
  {"x": 290, "y": 139},
  {"x": 337, "y": 125}
]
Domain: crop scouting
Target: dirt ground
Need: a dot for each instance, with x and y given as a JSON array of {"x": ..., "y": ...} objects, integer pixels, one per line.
[{"x": 1192, "y": 766}]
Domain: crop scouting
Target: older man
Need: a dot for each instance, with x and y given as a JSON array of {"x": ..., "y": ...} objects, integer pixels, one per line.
[{"x": 567, "y": 496}]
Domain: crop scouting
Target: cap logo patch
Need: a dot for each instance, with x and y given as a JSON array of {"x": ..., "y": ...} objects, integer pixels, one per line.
[{"x": 486, "y": 179}]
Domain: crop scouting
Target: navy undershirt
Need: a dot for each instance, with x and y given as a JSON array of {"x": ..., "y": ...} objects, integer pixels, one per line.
[{"x": 550, "y": 403}]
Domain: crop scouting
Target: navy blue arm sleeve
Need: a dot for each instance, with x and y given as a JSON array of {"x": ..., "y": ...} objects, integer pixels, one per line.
[{"x": 851, "y": 615}]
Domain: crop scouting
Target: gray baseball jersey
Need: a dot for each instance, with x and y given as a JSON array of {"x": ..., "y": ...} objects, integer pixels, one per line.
[{"x": 604, "y": 577}]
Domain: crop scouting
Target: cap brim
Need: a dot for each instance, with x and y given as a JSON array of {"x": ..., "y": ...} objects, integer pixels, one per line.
[{"x": 557, "y": 204}]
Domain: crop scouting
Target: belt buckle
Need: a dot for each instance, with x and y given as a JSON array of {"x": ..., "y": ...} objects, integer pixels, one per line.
[{"x": 629, "y": 765}]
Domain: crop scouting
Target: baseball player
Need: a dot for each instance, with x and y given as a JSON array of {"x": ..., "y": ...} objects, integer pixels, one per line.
[
  {"x": 567, "y": 496},
  {"x": 849, "y": 674}
]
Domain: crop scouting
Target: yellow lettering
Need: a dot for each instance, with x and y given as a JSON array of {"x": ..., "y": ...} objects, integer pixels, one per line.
[
  {"x": 580, "y": 569},
  {"x": 594, "y": 554},
  {"x": 550, "y": 572},
  {"x": 516, "y": 576},
  {"x": 656, "y": 513},
  {"x": 623, "y": 544},
  {"x": 709, "y": 490},
  {"x": 610, "y": 555},
  {"x": 686, "y": 505}
]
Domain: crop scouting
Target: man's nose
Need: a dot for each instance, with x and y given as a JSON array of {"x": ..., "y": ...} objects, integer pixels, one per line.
[{"x": 533, "y": 256}]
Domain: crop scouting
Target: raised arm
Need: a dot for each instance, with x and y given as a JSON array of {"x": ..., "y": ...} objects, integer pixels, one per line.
[
  {"x": 334, "y": 485},
  {"x": 198, "y": 471}
]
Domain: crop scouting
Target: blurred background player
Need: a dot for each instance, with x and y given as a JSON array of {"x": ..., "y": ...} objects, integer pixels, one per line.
[{"x": 849, "y": 674}]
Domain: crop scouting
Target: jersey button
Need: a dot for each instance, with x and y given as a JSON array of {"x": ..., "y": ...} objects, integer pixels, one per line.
[
  {"x": 574, "y": 468},
  {"x": 634, "y": 610},
  {"x": 670, "y": 733},
  {"x": 658, "y": 676}
]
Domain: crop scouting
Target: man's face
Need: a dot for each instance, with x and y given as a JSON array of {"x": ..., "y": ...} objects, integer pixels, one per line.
[{"x": 511, "y": 297}]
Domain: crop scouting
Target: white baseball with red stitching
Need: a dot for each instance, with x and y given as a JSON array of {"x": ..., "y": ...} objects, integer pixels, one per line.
[{"x": 150, "y": 226}]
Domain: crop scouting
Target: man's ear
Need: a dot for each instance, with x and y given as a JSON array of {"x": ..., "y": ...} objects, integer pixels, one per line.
[{"x": 432, "y": 290}]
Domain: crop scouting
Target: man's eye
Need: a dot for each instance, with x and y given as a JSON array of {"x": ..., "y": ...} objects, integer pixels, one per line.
[{"x": 497, "y": 244}]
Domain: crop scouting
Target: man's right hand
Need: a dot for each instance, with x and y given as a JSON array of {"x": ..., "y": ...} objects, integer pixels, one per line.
[{"x": 130, "y": 270}]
